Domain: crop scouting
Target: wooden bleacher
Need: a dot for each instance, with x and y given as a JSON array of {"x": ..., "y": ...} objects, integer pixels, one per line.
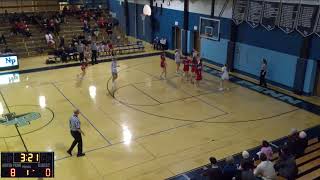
[
  {"x": 36, "y": 44},
  {"x": 308, "y": 164}
]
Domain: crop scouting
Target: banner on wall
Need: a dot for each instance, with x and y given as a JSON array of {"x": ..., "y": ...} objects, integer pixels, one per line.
[
  {"x": 317, "y": 26},
  {"x": 289, "y": 13},
  {"x": 239, "y": 11},
  {"x": 254, "y": 12},
  {"x": 270, "y": 15},
  {"x": 307, "y": 17}
]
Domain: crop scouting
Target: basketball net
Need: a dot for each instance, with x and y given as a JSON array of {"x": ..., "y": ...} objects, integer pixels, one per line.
[{"x": 143, "y": 17}]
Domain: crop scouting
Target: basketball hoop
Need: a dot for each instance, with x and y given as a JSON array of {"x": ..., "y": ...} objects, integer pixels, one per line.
[{"x": 143, "y": 17}]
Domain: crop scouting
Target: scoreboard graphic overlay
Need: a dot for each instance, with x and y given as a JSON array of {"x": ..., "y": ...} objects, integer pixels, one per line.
[{"x": 27, "y": 164}]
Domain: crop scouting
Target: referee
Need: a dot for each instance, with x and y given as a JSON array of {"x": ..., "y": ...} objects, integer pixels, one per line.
[{"x": 76, "y": 132}]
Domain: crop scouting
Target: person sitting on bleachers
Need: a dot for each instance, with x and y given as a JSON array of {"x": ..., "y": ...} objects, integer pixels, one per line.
[
  {"x": 214, "y": 171},
  {"x": 292, "y": 141},
  {"x": 265, "y": 169},
  {"x": 163, "y": 43},
  {"x": 7, "y": 50},
  {"x": 49, "y": 39},
  {"x": 62, "y": 41},
  {"x": 266, "y": 149},
  {"x": 101, "y": 49},
  {"x": 109, "y": 28},
  {"x": 72, "y": 52},
  {"x": 156, "y": 43},
  {"x": 101, "y": 22},
  {"x": 301, "y": 144},
  {"x": 63, "y": 55},
  {"x": 286, "y": 165},
  {"x": 246, "y": 162},
  {"x": 230, "y": 169},
  {"x": 247, "y": 174},
  {"x": 23, "y": 28},
  {"x": 3, "y": 39}
]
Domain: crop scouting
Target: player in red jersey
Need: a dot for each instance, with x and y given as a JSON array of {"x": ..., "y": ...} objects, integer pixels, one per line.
[
  {"x": 198, "y": 71},
  {"x": 186, "y": 63},
  {"x": 163, "y": 65},
  {"x": 193, "y": 67},
  {"x": 84, "y": 66}
]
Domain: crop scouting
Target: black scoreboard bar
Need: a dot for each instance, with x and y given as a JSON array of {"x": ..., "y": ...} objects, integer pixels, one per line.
[{"x": 27, "y": 164}]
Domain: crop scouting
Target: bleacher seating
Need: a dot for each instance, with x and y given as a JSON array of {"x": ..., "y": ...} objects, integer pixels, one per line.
[
  {"x": 36, "y": 44},
  {"x": 308, "y": 164}
]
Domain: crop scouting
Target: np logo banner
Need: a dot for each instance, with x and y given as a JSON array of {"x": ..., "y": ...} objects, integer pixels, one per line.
[{"x": 9, "y": 61}]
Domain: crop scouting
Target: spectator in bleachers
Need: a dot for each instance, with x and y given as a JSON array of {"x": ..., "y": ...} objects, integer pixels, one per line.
[
  {"x": 302, "y": 144},
  {"x": 292, "y": 141},
  {"x": 80, "y": 50},
  {"x": 49, "y": 39},
  {"x": 286, "y": 165},
  {"x": 109, "y": 28},
  {"x": 265, "y": 169},
  {"x": 63, "y": 55},
  {"x": 72, "y": 52},
  {"x": 163, "y": 43},
  {"x": 74, "y": 40},
  {"x": 101, "y": 22},
  {"x": 247, "y": 174},
  {"x": 3, "y": 40},
  {"x": 156, "y": 43},
  {"x": 230, "y": 169},
  {"x": 95, "y": 31},
  {"x": 101, "y": 49},
  {"x": 213, "y": 172},
  {"x": 7, "y": 50},
  {"x": 81, "y": 38},
  {"x": 246, "y": 162},
  {"x": 23, "y": 28},
  {"x": 62, "y": 41},
  {"x": 109, "y": 47},
  {"x": 94, "y": 53},
  {"x": 266, "y": 149}
]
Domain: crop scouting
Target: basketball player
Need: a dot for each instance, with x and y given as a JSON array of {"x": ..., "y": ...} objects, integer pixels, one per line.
[
  {"x": 193, "y": 67},
  {"x": 186, "y": 63},
  {"x": 177, "y": 59},
  {"x": 87, "y": 53},
  {"x": 114, "y": 72},
  {"x": 224, "y": 77},
  {"x": 198, "y": 71},
  {"x": 163, "y": 65}
]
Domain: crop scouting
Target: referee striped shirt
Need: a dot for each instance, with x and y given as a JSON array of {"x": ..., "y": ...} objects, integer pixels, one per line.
[{"x": 74, "y": 123}]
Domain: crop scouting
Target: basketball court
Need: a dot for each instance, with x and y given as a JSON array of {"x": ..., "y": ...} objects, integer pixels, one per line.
[{"x": 150, "y": 129}]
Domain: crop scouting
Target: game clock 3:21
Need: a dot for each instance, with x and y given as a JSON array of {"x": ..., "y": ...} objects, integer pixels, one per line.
[{"x": 27, "y": 164}]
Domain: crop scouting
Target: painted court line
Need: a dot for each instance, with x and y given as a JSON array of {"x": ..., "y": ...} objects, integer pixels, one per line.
[
  {"x": 84, "y": 116},
  {"x": 16, "y": 126}
]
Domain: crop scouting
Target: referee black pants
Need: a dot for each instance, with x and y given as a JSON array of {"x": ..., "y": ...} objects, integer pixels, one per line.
[
  {"x": 77, "y": 140},
  {"x": 94, "y": 57}
]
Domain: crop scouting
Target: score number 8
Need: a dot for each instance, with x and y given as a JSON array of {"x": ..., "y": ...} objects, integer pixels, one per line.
[{"x": 13, "y": 172}]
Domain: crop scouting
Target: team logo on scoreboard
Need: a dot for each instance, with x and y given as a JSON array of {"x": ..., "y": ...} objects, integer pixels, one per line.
[{"x": 19, "y": 120}]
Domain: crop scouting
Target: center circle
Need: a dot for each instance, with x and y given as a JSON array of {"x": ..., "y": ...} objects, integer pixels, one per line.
[{"x": 47, "y": 116}]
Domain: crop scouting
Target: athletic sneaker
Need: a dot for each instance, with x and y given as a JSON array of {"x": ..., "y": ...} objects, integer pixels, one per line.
[{"x": 82, "y": 154}]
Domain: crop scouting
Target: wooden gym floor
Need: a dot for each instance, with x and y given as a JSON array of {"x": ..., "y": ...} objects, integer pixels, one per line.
[{"x": 151, "y": 129}]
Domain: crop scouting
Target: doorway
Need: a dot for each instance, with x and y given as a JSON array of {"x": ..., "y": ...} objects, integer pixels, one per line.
[
  {"x": 176, "y": 37},
  {"x": 196, "y": 41},
  {"x": 317, "y": 85}
]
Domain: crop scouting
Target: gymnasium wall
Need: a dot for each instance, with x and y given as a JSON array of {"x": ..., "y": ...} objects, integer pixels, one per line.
[
  {"x": 28, "y": 5},
  {"x": 281, "y": 50}
]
